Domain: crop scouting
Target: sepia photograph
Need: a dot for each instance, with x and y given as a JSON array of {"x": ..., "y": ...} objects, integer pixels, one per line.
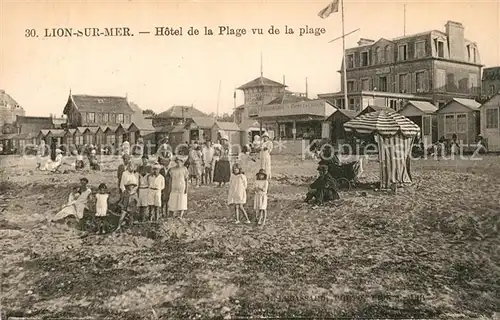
[{"x": 203, "y": 159}]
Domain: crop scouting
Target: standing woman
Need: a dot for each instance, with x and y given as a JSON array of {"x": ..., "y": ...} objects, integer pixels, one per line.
[
  {"x": 266, "y": 148},
  {"x": 178, "y": 187},
  {"x": 222, "y": 170}
]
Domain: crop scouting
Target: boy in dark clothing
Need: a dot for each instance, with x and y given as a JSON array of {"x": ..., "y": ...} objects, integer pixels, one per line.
[
  {"x": 324, "y": 188},
  {"x": 128, "y": 204},
  {"x": 145, "y": 165}
]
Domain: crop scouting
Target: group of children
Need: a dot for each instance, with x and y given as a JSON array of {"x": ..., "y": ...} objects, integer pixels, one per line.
[
  {"x": 238, "y": 194},
  {"x": 156, "y": 190}
]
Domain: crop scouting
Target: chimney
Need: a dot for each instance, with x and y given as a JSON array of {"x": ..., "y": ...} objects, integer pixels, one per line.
[
  {"x": 364, "y": 41},
  {"x": 456, "y": 41}
]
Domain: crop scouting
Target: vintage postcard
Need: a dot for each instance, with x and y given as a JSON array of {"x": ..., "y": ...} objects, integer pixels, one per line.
[{"x": 328, "y": 159}]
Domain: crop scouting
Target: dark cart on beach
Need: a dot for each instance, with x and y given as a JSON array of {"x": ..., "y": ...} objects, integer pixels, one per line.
[{"x": 346, "y": 174}]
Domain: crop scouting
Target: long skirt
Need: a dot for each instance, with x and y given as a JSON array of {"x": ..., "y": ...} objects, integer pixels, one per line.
[
  {"x": 222, "y": 171},
  {"x": 177, "y": 201},
  {"x": 68, "y": 211}
]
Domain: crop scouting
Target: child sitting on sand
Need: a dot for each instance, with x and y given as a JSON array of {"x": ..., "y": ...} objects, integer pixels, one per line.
[{"x": 128, "y": 203}]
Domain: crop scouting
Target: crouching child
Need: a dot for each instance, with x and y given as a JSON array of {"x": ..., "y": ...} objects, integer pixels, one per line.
[
  {"x": 128, "y": 204},
  {"x": 324, "y": 188}
]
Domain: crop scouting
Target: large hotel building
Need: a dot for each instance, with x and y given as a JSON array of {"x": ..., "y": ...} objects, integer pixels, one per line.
[{"x": 431, "y": 66}]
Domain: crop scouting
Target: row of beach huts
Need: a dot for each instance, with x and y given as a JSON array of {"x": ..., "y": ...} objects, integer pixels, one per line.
[{"x": 194, "y": 129}]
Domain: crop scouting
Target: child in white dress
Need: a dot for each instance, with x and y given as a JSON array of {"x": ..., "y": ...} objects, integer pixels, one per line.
[
  {"x": 237, "y": 192},
  {"x": 179, "y": 176},
  {"x": 260, "y": 199},
  {"x": 101, "y": 205}
]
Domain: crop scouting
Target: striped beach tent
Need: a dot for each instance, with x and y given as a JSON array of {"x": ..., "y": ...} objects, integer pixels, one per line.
[{"x": 394, "y": 134}]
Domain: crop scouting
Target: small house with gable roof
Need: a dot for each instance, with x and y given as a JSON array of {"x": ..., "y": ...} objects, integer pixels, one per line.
[
  {"x": 461, "y": 117},
  {"x": 93, "y": 111}
]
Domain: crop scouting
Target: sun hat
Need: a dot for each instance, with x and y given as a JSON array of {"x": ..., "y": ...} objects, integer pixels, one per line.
[
  {"x": 157, "y": 166},
  {"x": 58, "y": 151},
  {"x": 265, "y": 134}
]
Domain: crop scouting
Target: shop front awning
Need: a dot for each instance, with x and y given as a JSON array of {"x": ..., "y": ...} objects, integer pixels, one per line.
[{"x": 291, "y": 118}]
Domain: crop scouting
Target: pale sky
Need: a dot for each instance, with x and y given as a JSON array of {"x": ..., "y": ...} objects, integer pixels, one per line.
[{"x": 158, "y": 72}]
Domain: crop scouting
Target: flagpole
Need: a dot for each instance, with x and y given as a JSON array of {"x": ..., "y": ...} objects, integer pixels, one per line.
[
  {"x": 404, "y": 20},
  {"x": 346, "y": 102},
  {"x": 262, "y": 95}
]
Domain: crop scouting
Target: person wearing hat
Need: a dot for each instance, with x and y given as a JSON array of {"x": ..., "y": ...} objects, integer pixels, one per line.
[
  {"x": 58, "y": 161},
  {"x": 145, "y": 166},
  {"x": 179, "y": 176},
  {"x": 128, "y": 177},
  {"x": 156, "y": 185},
  {"x": 324, "y": 188},
  {"x": 208, "y": 163},
  {"x": 93, "y": 163},
  {"x": 260, "y": 198},
  {"x": 122, "y": 167},
  {"x": 129, "y": 201},
  {"x": 126, "y": 147},
  {"x": 165, "y": 164},
  {"x": 222, "y": 170},
  {"x": 266, "y": 147},
  {"x": 77, "y": 202},
  {"x": 195, "y": 164}
]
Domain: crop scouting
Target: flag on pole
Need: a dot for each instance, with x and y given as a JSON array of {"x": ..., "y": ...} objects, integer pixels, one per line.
[{"x": 331, "y": 8}]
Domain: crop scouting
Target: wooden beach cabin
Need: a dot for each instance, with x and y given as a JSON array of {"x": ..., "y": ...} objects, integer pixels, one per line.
[
  {"x": 42, "y": 135},
  {"x": 460, "y": 117},
  {"x": 490, "y": 122},
  {"x": 100, "y": 136},
  {"x": 89, "y": 135},
  {"x": 337, "y": 119},
  {"x": 423, "y": 114},
  {"x": 55, "y": 134},
  {"x": 79, "y": 141},
  {"x": 110, "y": 135},
  {"x": 199, "y": 128},
  {"x": 178, "y": 135},
  {"x": 231, "y": 129},
  {"x": 69, "y": 137},
  {"x": 120, "y": 134}
]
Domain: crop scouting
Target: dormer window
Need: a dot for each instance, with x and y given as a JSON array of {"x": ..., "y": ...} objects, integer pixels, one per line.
[
  {"x": 350, "y": 61},
  {"x": 380, "y": 55},
  {"x": 387, "y": 54},
  {"x": 439, "y": 47},
  {"x": 100, "y": 101},
  {"x": 403, "y": 52},
  {"x": 364, "y": 59}
]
